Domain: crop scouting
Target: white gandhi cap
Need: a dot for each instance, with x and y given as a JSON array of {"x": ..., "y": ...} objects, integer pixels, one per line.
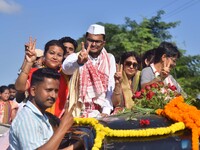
[{"x": 96, "y": 29}]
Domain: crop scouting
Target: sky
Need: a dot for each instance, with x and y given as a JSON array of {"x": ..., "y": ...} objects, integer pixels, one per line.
[{"x": 53, "y": 19}]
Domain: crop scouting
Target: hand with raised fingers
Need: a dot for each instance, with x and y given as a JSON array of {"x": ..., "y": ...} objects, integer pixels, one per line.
[
  {"x": 83, "y": 55},
  {"x": 166, "y": 68},
  {"x": 118, "y": 74},
  {"x": 30, "y": 53}
]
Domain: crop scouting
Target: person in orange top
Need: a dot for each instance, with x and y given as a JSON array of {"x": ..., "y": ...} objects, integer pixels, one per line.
[{"x": 54, "y": 52}]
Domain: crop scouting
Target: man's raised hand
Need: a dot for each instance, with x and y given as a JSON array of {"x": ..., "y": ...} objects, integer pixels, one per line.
[{"x": 83, "y": 55}]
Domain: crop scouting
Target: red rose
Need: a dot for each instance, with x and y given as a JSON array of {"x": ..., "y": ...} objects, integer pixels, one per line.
[
  {"x": 150, "y": 94},
  {"x": 173, "y": 88},
  {"x": 153, "y": 85},
  {"x": 156, "y": 85},
  {"x": 147, "y": 87},
  {"x": 137, "y": 94},
  {"x": 161, "y": 84},
  {"x": 143, "y": 91},
  {"x": 144, "y": 122}
]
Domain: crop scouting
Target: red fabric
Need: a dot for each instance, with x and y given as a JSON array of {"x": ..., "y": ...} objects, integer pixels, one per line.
[
  {"x": 62, "y": 93},
  {"x": 30, "y": 75},
  {"x": 95, "y": 76},
  {"x": 92, "y": 106},
  {"x": 62, "y": 96}
]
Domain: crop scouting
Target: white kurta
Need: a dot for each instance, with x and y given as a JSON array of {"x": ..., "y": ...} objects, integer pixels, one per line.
[{"x": 70, "y": 65}]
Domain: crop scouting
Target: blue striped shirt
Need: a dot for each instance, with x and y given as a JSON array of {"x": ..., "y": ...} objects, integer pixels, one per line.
[{"x": 30, "y": 129}]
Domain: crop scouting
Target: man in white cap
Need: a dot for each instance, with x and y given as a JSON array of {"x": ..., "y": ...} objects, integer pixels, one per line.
[{"x": 93, "y": 72}]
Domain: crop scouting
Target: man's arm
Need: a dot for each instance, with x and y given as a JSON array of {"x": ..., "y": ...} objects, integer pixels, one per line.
[
  {"x": 66, "y": 122},
  {"x": 70, "y": 64}
]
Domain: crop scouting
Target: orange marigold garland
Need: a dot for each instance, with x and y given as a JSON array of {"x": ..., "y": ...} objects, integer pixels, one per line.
[{"x": 177, "y": 110}]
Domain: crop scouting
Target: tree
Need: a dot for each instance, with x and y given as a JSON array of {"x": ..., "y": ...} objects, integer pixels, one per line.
[
  {"x": 187, "y": 73},
  {"x": 159, "y": 28},
  {"x": 139, "y": 37}
]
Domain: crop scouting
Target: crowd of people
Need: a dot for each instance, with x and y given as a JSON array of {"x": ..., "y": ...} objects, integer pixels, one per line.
[{"x": 65, "y": 83}]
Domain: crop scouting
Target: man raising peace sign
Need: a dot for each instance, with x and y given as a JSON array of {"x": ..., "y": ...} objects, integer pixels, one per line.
[{"x": 93, "y": 82}]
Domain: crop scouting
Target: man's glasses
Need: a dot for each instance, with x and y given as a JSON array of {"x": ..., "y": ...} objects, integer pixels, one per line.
[
  {"x": 98, "y": 42},
  {"x": 134, "y": 64}
]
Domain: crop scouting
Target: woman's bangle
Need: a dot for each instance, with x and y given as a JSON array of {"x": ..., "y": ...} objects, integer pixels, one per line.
[{"x": 22, "y": 71}]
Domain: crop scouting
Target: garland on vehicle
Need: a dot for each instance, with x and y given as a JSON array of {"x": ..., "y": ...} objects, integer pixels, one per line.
[{"x": 102, "y": 131}]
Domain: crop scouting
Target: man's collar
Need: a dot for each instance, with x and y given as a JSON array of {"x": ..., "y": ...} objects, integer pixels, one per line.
[{"x": 35, "y": 110}]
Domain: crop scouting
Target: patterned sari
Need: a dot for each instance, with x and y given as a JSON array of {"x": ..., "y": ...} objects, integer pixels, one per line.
[
  {"x": 5, "y": 112},
  {"x": 128, "y": 89}
]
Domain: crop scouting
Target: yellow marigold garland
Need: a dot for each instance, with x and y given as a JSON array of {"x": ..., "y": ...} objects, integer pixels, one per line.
[
  {"x": 177, "y": 110},
  {"x": 102, "y": 131}
]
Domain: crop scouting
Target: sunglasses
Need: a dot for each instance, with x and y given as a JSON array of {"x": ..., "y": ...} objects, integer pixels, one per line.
[{"x": 129, "y": 63}]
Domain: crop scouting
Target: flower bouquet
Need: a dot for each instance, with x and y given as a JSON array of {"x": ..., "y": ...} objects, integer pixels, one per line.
[{"x": 153, "y": 96}]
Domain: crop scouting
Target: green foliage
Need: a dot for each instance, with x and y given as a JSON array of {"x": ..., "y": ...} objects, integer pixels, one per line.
[
  {"x": 187, "y": 73},
  {"x": 139, "y": 37},
  {"x": 188, "y": 66},
  {"x": 159, "y": 28}
]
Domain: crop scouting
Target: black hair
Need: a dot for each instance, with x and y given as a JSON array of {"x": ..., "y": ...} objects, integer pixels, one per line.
[
  {"x": 149, "y": 56},
  {"x": 39, "y": 75},
  {"x": 3, "y": 88},
  {"x": 125, "y": 55},
  {"x": 11, "y": 86},
  {"x": 54, "y": 43},
  {"x": 70, "y": 40},
  {"x": 167, "y": 48}
]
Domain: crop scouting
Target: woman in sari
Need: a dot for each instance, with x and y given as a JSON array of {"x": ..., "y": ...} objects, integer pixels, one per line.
[
  {"x": 126, "y": 80},
  {"x": 54, "y": 52}
]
